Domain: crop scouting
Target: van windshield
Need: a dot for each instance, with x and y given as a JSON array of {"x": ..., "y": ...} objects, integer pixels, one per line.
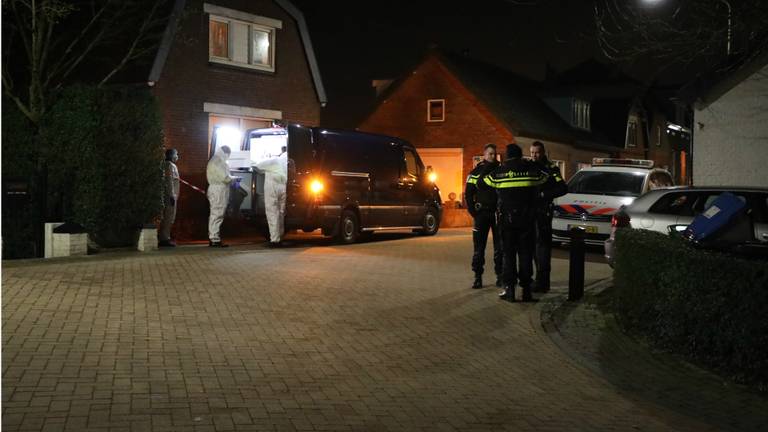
[{"x": 607, "y": 183}]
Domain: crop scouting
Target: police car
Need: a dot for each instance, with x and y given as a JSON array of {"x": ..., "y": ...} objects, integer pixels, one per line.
[{"x": 596, "y": 193}]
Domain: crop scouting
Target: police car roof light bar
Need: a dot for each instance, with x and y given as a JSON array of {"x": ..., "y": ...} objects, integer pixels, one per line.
[{"x": 640, "y": 163}]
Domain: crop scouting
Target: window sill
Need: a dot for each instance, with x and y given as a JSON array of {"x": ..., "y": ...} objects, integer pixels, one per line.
[{"x": 246, "y": 66}]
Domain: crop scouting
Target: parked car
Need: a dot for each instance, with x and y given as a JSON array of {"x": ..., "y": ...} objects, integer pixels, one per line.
[
  {"x": 346, "y": 183},
  {"x": 597, "y": 192},
  {"x": 676, "y": 208}
]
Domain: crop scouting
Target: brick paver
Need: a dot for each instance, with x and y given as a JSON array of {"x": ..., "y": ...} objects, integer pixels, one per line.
[
  {"x": 590, "y": 333},
  {"x": 381, "y": 336}
]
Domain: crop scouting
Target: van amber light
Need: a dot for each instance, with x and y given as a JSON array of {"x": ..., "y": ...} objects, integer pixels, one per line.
[{"x": 316, "y": 186}]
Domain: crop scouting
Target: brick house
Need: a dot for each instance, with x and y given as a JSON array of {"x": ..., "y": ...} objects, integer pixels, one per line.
[
  {"x": 645, "y": 122},
  {"x": 237, "y": 63},
  {"x": 450, "y": 106}
]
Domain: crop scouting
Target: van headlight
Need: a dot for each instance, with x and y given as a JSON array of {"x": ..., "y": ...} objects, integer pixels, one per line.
[{"x": 432, "y": 177}]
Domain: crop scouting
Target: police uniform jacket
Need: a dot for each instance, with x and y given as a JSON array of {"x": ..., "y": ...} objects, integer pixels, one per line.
[
  {"x": 479, "y": 195},
  {"x": 555, "y": 186},
  {"x": 517, "y": 182}
]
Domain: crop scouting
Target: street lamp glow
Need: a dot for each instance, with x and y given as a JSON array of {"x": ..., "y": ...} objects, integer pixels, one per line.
[{"x": 730, "y": 24}]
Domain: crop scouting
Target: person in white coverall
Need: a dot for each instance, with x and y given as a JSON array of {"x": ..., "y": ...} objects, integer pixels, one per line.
[
  {"x": 275, "y": 178},
  {"x": 170, "y": 198},
  {"x": 219, "y": 183}
]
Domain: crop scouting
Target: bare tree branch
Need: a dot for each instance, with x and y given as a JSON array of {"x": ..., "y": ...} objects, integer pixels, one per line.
[
  {"x": 679, "y": 32},
  {"x": 132, "y": 49},
  {"x": 19, "y": 103},
  {"x": 64, "y": 37},
  {"x": 79, "y": 37}
]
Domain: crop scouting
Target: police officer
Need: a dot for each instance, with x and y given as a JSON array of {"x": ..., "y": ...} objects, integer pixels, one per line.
[
  {"x": 553, "y": 188},
  {"x": 481, "y": 204},
  {"x": 517, "y": 183}
]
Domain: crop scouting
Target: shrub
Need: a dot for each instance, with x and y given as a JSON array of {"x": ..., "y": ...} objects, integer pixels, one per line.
[
  {"x": 105, "y": 159},
  {"x": 706, "y": 305},
  {"x": 19, "y": 146}
]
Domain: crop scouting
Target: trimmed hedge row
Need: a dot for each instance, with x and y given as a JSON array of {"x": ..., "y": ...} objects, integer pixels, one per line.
[
  {"x": 709, "y": 306},
  {"x": 20, "y": 154},
  {"x": 106, "y": 148}
]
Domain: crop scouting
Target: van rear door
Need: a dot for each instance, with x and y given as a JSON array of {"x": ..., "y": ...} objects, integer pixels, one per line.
[{"x": 301, "y": 159}]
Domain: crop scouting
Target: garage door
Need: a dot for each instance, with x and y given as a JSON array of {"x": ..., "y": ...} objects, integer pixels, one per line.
[{"x": 447, "y": 163}]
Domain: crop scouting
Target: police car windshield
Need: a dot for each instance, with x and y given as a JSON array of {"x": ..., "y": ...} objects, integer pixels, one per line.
[{"x": 607, "y": 183}]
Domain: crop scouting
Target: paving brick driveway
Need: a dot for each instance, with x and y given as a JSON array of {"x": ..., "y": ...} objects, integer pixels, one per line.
[{"x": 377, "y": 336}]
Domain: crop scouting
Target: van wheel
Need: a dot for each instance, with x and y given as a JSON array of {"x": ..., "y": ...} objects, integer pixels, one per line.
[
  {"x": 431, "y": 223},
  {"x": 349, "y": 228}
]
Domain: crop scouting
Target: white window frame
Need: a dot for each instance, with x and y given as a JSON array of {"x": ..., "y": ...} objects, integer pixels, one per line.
[
  {"x": 271, "y": 32},
  {"x": 253, "y": 22},
  {"x": 429, "y": 110}
]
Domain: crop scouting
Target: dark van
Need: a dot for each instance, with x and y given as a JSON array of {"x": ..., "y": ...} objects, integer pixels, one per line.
[{"x": 349, "y": 184}]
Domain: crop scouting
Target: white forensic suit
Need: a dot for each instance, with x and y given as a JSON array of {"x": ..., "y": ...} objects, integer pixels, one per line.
[
  {"x": 275, "y": 178},
  {"x": 219, "y": 181}
]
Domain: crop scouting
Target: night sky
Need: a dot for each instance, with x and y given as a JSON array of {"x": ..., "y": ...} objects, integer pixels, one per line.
[{"x": 356, "y": 42}]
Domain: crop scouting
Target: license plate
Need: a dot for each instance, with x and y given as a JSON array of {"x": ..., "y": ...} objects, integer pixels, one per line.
[{"x": 589, "y": 229}]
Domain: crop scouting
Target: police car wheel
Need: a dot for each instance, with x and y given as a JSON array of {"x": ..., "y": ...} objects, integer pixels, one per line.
[
  {"x": 349, "y": 230},
  {"x": 430, "y": 224}
]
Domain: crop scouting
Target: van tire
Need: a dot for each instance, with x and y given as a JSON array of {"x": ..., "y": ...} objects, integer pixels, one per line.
[
  {"x": 349, "y": 227},
  {"x": 431, "y": 222}
]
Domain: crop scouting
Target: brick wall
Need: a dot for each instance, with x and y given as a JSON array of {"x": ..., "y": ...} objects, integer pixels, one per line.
[
  {"x": 467, "y": 124},
  {"x": 571, "y": 155},
  {"x": 188, "y": 81}
]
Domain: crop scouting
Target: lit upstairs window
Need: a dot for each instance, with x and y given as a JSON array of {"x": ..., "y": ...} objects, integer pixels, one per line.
[
  {"x": 218, "y": 42},
  {"x": 241, "y": 39}
]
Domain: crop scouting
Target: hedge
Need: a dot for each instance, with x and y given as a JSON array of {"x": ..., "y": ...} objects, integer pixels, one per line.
[
  {"x": 105, "y": 159},
  {"x": 708, "y": 306},
  {"x": 20, "y": 153}
]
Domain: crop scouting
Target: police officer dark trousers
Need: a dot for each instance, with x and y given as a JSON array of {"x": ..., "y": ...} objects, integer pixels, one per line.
[
  {"x": 517, "y": 183},
  {"x": 481, "y": 203},
  {"x": 554, "y": 187}
]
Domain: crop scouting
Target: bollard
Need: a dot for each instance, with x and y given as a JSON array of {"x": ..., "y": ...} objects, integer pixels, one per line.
[{"x": 576, "y": 264}]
